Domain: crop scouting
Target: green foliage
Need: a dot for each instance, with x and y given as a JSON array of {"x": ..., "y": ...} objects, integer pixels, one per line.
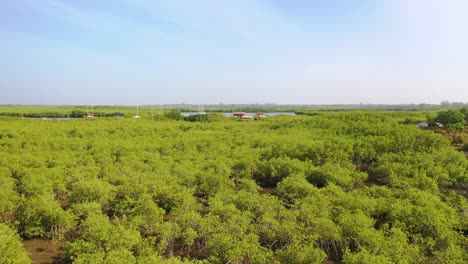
[
  {"x": 93, "y": 190},
  {"x": 355, "y": 187},
  {"x": 11, "y": 250},
  {"x": 454, "y": 129},
  {"x": 293, "y": 189},
  {"x": 346, "y": 177},
  {"x": 270, "y": 172},
  {"x": 171, "y": 115},
  {"x": 302, "y": 254},
  {"x": 43, "y": 216},
  {"x": 9, "y": 198},
  {"x": 364, "y": 257},
  {"x": 450, "y": 117},
  {"x": 214, "y": 117}
]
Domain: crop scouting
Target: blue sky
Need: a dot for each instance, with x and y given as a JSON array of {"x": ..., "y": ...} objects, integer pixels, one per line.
[{"x": 243, "y": 51}]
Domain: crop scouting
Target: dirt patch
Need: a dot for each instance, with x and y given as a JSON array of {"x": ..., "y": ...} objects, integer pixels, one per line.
[
  {"x": 267, "y": 190},
  {"x": 44, "y": 251}
]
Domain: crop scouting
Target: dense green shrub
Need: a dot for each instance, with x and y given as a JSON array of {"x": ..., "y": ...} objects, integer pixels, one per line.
[
  {"x": 11, "y": 250},
  {"x": 353, "y": 187}
]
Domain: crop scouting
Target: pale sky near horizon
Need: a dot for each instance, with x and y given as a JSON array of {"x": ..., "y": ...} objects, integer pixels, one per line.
[{"x": 243, "y": 51}]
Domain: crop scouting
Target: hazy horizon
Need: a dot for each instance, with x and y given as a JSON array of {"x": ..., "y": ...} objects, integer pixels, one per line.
[
  {"x": 244, "y": 52},
  {"x": 457, "y": 105}
]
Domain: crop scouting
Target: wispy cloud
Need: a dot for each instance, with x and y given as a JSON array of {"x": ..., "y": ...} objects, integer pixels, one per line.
[{"x": 270, "y": 50}]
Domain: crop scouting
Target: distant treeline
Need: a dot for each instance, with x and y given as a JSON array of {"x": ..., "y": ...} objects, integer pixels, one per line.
[
  {"x": 235, "y": 108},
  {"x": 157, "y": 111},
  {"x": 312, "y": 107},
  {"x": 73, "y": 114}
]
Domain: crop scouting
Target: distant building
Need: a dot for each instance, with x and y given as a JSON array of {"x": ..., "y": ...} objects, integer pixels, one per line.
[
  {"x": 88, "y": 115},
  {"x": 239, "y": 114}
]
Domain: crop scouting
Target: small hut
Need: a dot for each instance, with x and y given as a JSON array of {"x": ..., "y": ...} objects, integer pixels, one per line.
[{"x": 239, "y": 114}]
